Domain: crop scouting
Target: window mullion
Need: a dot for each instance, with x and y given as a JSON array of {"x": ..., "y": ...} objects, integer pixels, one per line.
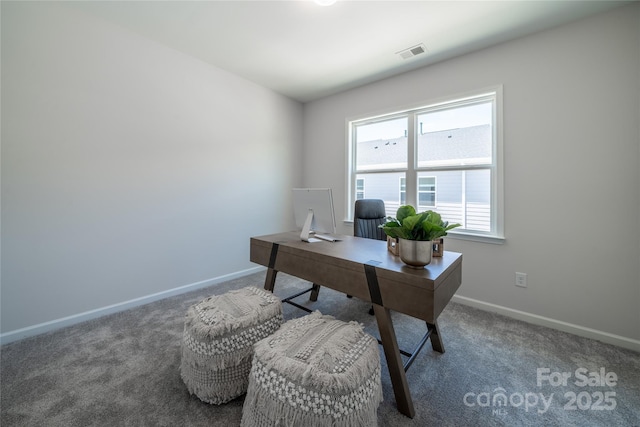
[{"x": 412, "y": 176}]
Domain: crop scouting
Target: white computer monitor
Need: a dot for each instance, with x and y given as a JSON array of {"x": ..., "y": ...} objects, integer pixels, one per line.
[{"x": 313, "y": 212}]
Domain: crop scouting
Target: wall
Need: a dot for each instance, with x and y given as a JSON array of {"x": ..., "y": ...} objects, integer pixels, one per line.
[
  {"x": 128, "y": 168},
  {"x": 571, "y": 158}
]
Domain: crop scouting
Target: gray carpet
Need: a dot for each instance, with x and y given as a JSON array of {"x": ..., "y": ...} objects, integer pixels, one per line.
[{"x": 122, "y": 370}]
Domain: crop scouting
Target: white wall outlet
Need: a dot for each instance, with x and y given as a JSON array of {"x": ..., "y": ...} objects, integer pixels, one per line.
[{"x": 521, "y": 279}]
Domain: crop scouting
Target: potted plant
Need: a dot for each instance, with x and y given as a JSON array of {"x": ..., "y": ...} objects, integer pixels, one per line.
[{"x": 416, "y": 233}]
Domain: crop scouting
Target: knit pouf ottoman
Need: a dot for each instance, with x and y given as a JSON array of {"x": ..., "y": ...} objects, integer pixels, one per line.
[
  {"x": 218, "y": 339},
  {"x": 314, "y": 371}
]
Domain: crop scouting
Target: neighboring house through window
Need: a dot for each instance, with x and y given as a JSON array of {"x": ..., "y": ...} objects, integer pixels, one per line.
[
  {"x": 359, "y": 188},
  {"x": 444, "y": 156},
  {"x": 426, "y": 192}
]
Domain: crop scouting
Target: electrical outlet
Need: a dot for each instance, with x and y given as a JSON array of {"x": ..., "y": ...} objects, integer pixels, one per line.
[{"x": 521, "y": 279}]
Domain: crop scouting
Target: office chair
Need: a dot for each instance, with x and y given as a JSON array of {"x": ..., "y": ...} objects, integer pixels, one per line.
[{"x": 368, "y": 215}]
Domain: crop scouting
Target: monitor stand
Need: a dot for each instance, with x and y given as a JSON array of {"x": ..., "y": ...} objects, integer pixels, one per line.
[{"x": 305, "y": 235}]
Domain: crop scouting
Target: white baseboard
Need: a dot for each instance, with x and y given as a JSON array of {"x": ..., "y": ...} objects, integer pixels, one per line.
[
  {"x": 41, "y": 328},
  {"x": 582, "y": 331},
  {"x": 52, "y": 325}
]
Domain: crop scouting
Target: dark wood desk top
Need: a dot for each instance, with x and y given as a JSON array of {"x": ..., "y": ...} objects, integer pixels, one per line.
[{"x": 353, "y": 252}]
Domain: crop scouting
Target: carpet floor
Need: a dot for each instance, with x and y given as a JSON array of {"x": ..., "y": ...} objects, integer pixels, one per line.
[{"x": 123, "y": 370}]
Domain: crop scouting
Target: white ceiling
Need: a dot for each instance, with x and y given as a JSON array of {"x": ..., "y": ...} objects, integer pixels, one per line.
[{"x": 306, "y": 51}]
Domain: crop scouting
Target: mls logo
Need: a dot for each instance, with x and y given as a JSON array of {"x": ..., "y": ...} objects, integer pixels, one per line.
[{"x": 499, "y": 412}]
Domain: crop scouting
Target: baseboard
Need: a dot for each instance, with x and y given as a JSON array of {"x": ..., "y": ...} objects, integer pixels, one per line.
[
  {"x": 41, "y": 328},
  {"x": 582, "y": 331},
  {"x": 52, "y": 325}
]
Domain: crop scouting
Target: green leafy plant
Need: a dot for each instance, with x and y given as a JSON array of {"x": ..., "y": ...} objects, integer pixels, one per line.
[{"x": 410, "y": 225}]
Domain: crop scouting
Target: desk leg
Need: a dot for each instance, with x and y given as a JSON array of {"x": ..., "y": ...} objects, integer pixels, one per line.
[
  {"x": 270, "y": 279},
  {"x": 314, "y": 292},
  {"x": 394, "y": 361},
  {"x": 436, "y": 340}
]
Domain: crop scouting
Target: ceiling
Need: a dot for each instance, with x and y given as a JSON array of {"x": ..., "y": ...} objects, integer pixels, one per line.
[{"x": 306, "y": 51}]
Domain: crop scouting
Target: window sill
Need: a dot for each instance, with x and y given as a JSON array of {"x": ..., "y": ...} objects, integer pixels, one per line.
[{"x": 482, "y": 238}]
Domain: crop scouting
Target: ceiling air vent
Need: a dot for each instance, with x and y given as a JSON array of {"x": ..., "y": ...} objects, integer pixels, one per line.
[{"x": 412, "y": 51}]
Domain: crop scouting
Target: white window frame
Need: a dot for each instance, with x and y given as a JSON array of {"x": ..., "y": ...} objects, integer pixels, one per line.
[{"x": 494, "y": 93}]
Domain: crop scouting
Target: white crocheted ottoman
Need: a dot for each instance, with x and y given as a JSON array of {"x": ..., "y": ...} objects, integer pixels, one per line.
[
  {"x": 314, "y": 371},
  {"x": 217, "y": 346}
]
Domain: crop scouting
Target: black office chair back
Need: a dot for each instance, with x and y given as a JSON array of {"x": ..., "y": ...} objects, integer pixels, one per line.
[{"x": 369, "y": 214}]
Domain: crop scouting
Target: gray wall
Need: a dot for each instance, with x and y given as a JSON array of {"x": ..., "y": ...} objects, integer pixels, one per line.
[
  {"x": 572, "y": 162},
  {"x": 128, "y": 168},
  {"x": 123, "y": 161}
]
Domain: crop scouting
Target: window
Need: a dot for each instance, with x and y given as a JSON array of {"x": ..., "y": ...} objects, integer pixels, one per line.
[
  {"x": 444, "y": 156},
  {"x": 359, "y": 188},
  {"x": 426, "y": 192}
]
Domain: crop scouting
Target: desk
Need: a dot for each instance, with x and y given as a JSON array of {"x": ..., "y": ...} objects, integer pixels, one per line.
[{"x": 365, "y": 269}]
